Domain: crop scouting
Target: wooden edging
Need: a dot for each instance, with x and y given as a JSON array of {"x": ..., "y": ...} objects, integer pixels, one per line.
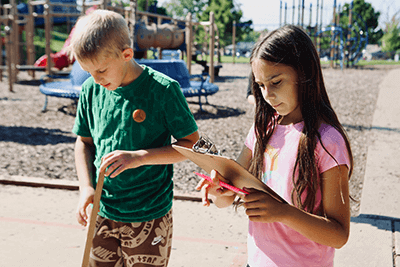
[{"x": 73, "y": 185}]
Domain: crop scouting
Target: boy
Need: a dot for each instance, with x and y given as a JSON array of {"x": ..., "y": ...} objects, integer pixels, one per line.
[{"x": 125, "y": 119}]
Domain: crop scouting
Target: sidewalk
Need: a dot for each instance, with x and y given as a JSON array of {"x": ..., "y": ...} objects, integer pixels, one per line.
[
  {"x": 38, "y": 227},
  {"x": 375, "y": 233}
]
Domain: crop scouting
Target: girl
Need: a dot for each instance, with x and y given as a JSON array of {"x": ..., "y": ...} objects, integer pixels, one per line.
[{"x": 298, "y": 147}]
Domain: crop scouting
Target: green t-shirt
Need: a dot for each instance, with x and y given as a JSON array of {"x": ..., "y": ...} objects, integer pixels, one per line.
[{"x": 144, "y": 193}]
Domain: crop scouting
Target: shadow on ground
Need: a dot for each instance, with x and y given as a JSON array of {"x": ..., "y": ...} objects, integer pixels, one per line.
[
  {"x": 217, "y": 112},
  {"x": 34, "y": 136}
]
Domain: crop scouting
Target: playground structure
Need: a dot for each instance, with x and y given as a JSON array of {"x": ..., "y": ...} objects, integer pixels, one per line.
[
  {"x": 346, "y": 43},
  {"x": 148, "y": 30}
]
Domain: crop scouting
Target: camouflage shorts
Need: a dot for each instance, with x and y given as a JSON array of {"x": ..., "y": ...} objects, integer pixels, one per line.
[{"x": 132, "y": 244}]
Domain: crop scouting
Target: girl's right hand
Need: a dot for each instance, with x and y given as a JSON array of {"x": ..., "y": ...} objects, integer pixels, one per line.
[
  {"x": 216, "y": 191},
  {"x": 83, "y": 210}
]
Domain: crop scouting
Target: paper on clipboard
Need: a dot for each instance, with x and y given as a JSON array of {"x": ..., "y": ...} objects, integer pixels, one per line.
[{"x": 229, "y": 169}]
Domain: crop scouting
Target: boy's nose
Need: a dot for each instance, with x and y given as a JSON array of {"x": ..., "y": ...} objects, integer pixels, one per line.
[{"x": 96, "y": 78}]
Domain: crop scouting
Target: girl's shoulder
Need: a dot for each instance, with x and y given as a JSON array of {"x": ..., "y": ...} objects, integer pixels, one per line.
[
  {"x": 328, "y": 132},
  {"x": 331, "y": 150}
]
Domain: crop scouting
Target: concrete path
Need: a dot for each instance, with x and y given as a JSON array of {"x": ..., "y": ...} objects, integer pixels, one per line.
[
  {"x": 375, "y": 233},
  {"x": 38, "y": 229}
]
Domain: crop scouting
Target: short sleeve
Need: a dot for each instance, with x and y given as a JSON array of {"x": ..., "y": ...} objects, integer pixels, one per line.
[
  {"x": 179, "y": 119},
  {"x": 81, "y": 126},
  {"x": 335, "y": 144}
]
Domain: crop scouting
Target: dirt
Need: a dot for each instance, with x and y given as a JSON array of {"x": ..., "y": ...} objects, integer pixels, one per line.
[{"x": 40, "y": 144}]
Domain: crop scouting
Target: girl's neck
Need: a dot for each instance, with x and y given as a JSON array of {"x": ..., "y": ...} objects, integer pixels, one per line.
[{"x": 282, "y": 120}]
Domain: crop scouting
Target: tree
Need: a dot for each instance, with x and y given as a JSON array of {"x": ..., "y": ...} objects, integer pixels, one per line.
[
  {"x": 151, "y": 6},
  {"x": 180, "y": 8},
  {"x": 391, "y": 39},
  {"x": 225, "y": 13},
  {"x": 364, "y": 16}
]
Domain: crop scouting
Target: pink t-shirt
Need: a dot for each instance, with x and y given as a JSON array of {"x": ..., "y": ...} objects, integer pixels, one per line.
[{"x": 275, "y": 244}]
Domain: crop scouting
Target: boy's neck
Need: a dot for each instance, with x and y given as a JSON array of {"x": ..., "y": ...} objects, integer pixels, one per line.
[{"x": 134, "y": 70}]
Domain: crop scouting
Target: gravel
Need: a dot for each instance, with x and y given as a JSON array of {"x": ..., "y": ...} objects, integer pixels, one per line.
[{"x": 37, "y": 144}]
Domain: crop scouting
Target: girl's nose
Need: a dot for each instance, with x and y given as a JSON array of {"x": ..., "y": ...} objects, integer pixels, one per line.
[{"x": 267, "y": 93}]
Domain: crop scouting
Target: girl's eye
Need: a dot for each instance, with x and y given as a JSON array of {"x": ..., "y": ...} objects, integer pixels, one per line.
[
  {"x": 102, "y": 71},
  {"x": 275, "y": 83}
]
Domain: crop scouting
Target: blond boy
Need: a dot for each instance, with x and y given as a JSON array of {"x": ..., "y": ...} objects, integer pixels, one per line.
[{"x": 126, "y": 116}]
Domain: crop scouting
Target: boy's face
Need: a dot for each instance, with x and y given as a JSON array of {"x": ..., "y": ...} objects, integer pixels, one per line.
[{"x": 109, "y": 71}]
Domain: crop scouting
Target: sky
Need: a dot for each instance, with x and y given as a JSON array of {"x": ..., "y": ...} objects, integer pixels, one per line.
[{"x": 265, "y": 13}]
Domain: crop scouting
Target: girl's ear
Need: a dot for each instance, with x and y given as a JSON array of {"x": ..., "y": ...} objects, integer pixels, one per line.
[{"x": 127, "y": 54}]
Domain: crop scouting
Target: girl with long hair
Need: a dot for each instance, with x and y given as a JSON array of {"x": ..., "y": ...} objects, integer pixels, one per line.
[{"x": 298, "y": 147}]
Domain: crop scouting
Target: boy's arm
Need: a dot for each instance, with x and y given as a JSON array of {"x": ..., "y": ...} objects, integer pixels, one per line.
[
  {"x": 222, "y": 197},
  {"x": 84, "y": 157},
  {"x": 118, "y": 161}
]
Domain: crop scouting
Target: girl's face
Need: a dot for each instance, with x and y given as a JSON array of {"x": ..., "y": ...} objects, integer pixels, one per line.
[{"x": 278, "y": 85}]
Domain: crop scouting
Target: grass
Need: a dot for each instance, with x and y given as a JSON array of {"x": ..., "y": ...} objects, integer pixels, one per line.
[
  {"x": 377, "y": 62},
  {"x": 56, "y": 44}
]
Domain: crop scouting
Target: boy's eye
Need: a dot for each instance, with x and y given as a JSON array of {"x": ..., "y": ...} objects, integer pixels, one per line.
[{"x": 102, "y": 71}]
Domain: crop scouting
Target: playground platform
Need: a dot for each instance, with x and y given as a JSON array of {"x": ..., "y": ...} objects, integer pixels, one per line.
[{"x": 38, "y": 227}]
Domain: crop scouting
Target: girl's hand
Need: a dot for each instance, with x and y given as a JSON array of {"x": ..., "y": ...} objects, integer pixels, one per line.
[
  {"x": 261, "y": 207},
  {"x": 119, "y": 161},
  {"x": 83, "y": 210},
  {"x": 213, "y": 188}
]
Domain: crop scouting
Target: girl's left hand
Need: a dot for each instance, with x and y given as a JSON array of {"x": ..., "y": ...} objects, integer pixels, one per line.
[
  {"x": 261, "y": 207},
  {"x": 119, "y": 161}
]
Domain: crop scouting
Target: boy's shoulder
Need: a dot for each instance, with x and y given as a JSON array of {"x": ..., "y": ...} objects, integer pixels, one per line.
[{"x": 152, "y": 74}]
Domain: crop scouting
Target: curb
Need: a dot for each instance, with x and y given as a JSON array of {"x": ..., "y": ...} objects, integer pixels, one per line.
[{"x": 74, "y": 185}]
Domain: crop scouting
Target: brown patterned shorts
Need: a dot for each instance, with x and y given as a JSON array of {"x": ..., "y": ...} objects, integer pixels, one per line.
[{"x": 120, "y": 244}]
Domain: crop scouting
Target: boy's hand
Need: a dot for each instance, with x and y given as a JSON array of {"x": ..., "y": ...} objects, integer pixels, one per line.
[
  {"x": 119, "y": 161},
  {"x": 213, "y": 188},
  {"x": 83, "y": 210}
]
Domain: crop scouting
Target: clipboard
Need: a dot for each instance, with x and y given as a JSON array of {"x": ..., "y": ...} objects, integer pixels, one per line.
[{"x": 229, "y": 169}]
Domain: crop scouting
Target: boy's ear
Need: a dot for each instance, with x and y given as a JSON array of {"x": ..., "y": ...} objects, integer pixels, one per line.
[{"x": 127, "y": 54}]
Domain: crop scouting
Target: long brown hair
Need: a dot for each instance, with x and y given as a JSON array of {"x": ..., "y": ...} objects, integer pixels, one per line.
[{"x": 291, "y": 46}]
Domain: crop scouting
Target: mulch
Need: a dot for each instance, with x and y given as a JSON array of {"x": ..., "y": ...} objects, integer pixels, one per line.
[{"x": 40, "y": 144}]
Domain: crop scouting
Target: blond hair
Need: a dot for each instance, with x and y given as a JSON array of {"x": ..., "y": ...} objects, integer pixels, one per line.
[{"x": 99, "y": 33}]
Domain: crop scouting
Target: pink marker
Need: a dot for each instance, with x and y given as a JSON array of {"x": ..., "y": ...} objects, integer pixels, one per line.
[{"x": 223, "y": 184}]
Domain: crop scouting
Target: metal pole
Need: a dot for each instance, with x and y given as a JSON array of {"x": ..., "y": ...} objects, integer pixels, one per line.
[
  {"x": 189, "y": 32},
  {"x": 132, "y": 23},
  {"x": 298, "y": 14},
  {"x": 29, "y": 30},
  {"x": 349, "y": 33},
  {"x": 47, "y": 26},
  {"x": 212, "y": 45},
  {"x": 15, "y": 42},
  {"x": 293, "y": 10},
  {"x": 309, "y": 24},
  {"x": 322, "y": 9},
  {"x": 234, "y": 41},
  {"x": 302, "y": 14},
  {"x": 285, "y": 13},
  {"x": 316, "y": 20},
  {"x": 333, "y": 34},
  {"x": 9, "y": 46}
]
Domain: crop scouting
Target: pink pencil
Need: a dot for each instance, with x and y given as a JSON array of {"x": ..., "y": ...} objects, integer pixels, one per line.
[{"x": 223, "y": 184}]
